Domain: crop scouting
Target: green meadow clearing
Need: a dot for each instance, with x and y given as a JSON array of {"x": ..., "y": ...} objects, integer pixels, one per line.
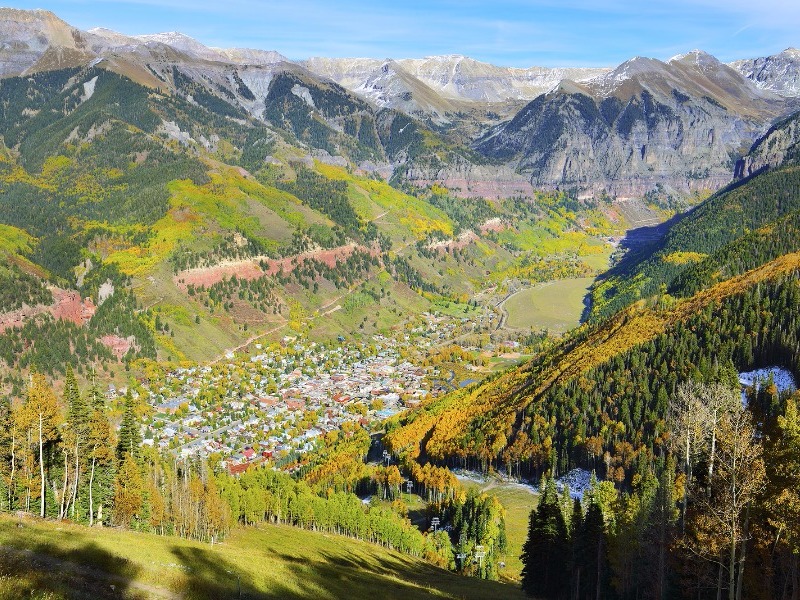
[
  {"x": 50, "y": 561},
  {"x": 556, "y": 305}
]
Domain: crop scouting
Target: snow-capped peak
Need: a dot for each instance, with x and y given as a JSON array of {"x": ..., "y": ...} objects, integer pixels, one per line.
[
  {"x": 183, "y": 43},
  {"x": 697, "y": 58}
]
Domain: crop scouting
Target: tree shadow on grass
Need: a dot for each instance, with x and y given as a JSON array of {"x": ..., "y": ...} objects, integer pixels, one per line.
[
  {"x": 350, "y": 574},
  {"x": 85, "y": 573},
  {"x": 209, "y": 577}
]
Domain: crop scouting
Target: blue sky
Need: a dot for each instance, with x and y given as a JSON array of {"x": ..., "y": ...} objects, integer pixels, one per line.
[{"x": 505, "y": 32}]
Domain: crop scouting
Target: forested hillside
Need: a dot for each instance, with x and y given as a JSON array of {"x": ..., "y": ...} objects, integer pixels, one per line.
[
  {"x": 749, "y": 223},
  {"x": 133, "y": 217},
  {"x": 721, "y": 298}
]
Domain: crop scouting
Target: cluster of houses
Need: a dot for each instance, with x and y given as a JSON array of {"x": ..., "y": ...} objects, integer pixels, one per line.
[{"x": 281, "y": 401}]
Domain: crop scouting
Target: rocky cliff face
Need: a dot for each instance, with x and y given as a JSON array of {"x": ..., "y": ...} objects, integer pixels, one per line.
[
  {"x": 38, "y": 38},
  {"x": 780, "y": 146},
  {"x": 779, "y": 73},
  {"x": 443, "y": 83},
  {"x": 680, "y": 124}
]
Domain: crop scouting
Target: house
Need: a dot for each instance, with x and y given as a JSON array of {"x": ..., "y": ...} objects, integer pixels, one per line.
[{"x": 235, "y": 469}]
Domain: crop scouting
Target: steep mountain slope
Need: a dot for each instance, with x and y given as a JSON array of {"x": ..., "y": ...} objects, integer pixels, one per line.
[
  {"x": 319, "y": 115},
  {"x": 146, "y": 224},
  {"x": 463, "y": 77},
  {"x": 779, "y": 73},
  {"x": 600, "y": 400},
  {"x": 36, "y": 40},
  {"x": 680, "y": 124},
  {"x": 737, "y": 229},
  {"x": 780, "y": 145}
]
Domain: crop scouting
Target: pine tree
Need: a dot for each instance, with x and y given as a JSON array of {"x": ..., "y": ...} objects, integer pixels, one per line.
[
  {"x": 7, "y": 442},
  {"x": 576, "y": 530},
  {"x": 130, "y": 437},
  {"x": 783, "y": 492},
  {"x": 591, "y": 554},
  {"x": 545, "y": 555}
]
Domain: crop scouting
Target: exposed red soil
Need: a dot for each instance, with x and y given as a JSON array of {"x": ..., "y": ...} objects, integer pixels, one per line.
[
  {"x": 67, "y": 305},
  {"x": 119, "y": 346},
  {"x": 252, "y": 269}
]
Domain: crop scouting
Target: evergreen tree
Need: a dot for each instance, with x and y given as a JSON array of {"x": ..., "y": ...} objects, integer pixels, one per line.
[
  {"x": 130, "y": 437},
  {"x": 783, "y": 492},
  {"x": 545, "y": 555},
  {"x": 6, "y": 445},
  {"x": 96, "y": 399},
  {"x": 591, "y": 554},
  {"x": 576, "y": 528}
]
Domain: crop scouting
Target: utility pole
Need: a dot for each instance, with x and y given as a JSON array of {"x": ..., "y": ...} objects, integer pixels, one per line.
[
  {"x": 435, "y": 523},
  {"x": 479, "y": 554},
  {"x": 461, "y": 556}
]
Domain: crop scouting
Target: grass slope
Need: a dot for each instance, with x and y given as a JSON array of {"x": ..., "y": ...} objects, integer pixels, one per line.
[
  {"x": 440, "y": 427},
  {"x": 555, "y": 305},
  {"x": 56, "y": 560}
]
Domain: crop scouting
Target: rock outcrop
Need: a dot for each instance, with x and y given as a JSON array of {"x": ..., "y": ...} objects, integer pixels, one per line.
[
  {"x": 679, "y": 124},
  {"x": 780, "y": 146},
  {"x": 779, "y": 73}
]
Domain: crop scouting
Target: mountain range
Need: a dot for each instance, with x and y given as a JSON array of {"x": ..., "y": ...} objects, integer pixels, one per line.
[{"x": 647, "y": 124}]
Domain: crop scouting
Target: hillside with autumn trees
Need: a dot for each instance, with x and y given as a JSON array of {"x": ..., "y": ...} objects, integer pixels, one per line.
[
  {"x": 648, "y": 399},
  {"x": 265, "y": 336}
]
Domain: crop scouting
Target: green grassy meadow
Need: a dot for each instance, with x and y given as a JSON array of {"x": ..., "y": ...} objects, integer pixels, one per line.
[
  {"x": 518, "y": 502},
  {"x": 556, "y": 306},
  {"x": 60, "y": 560}
]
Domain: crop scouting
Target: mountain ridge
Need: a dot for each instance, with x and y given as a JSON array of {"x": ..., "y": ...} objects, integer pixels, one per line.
[{"x": 678, "y": 125}]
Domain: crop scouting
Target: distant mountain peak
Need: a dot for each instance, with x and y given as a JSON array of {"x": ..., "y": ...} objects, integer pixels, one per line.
[
  {"x": 778, "y": 73},
  {"x": 696, "y": 58}
]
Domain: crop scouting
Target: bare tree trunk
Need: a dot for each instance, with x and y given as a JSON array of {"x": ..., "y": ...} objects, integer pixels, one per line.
[
  {"x": 795, "y": 578},
  {"x": 713, "y": 450},
  {"x": 719, "y": 581},
  {"x": 13, "y": 469},
  {"x": 740, "y": 576},
  {"x": 91, "y": 497},
  {"x": 41, "y": 464},
  {"x": 77, "y": 475},
  {"x": 688, "y": 467},
  {"x": 62, "y": 509}
]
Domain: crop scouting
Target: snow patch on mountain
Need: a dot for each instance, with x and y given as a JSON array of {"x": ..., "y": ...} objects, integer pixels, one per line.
[
  {"x": 183, "y": 43},
  {"x": 579, "y": 482},
  {"x": 779, "y": 73},
  {"x": 783, "y": 379}
]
